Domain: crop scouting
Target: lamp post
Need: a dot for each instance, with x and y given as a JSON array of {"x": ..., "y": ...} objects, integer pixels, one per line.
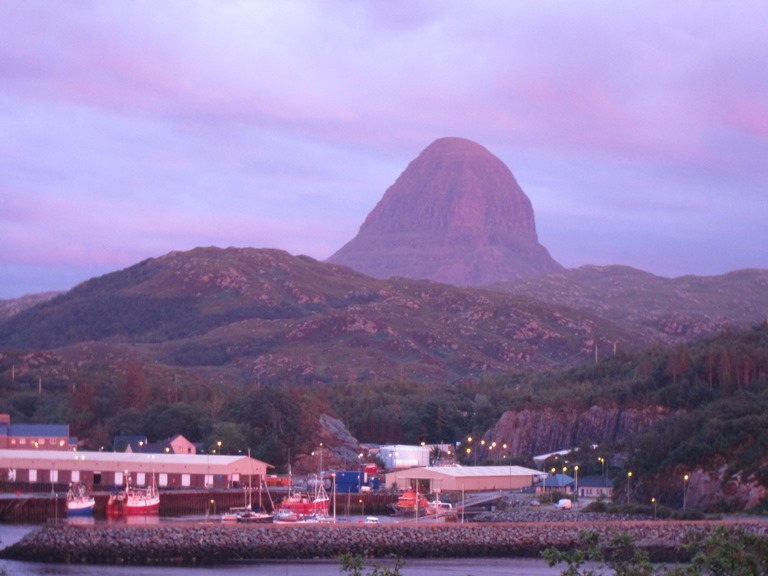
[
  {"x": 602, "y": 462},
  {"x": 653, "y": 501},
  {"x": 576, "y": 471},
  {"x": 629, "y": 481},
  {"x": 685, "y": 491}
]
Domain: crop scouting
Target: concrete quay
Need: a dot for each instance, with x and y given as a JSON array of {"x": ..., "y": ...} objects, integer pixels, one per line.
[{"x": 197, "y": 544}]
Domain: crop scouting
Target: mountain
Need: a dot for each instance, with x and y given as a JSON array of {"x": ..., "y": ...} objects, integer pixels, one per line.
[
  {"x": 669, "y": 310},
  {"x": 456, "y": 215},
  {"x": 11, "y": 307},
  {"x": 249, "y": 314}
]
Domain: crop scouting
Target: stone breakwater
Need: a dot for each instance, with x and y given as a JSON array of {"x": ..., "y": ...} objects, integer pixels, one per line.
[{"x": 207, "y": 544}]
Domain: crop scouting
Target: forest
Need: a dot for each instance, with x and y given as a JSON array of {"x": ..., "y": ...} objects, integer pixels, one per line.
[{"x": 716, "y": 388}]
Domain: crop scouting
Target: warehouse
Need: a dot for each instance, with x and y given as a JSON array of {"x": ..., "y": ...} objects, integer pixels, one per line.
[
  {"x": 106, "y": 470},
  {"x": 467, "y": 479}
]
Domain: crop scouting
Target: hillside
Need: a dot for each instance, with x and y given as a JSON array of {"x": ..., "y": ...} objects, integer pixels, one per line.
[
  {"x": 670, "y": 310},
  {"x": 265, "y": 315},
  {"x": 14, "y": 306}
]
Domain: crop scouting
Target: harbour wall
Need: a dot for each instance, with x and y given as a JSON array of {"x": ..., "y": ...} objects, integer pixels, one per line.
[{"x": 217, "y": 544}]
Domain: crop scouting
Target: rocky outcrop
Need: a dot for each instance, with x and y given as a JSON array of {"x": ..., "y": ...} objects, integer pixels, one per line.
[
  {"x": 340, "y": 449},
  {"x": 456, "y": 215},
  {"x": 541, "y": 431}
]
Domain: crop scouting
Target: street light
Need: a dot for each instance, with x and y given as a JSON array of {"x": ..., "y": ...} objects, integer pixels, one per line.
[
  {"x": 653, "y": 501},
  {"x": 629, "y": 481},
  {"x": 576, "y": 470},
  {"x": 602, "y": 461},
  {"x": 685, "y": 491}
]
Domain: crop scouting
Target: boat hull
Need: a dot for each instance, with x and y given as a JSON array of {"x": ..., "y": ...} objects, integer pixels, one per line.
[{"x": 84, "y": 508}]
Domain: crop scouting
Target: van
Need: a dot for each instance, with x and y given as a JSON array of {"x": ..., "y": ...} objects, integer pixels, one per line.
[{"x": 564, "y": 504}]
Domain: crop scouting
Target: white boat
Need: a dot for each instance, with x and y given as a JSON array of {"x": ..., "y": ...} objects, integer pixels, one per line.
[{"x": 79, "y": 502}]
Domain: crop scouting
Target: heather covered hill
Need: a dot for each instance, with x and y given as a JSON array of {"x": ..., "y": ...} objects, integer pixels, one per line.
[
  {"x": 246, "y": 314},
  {"x": 12, "y": 307},
  {"x": 669, "y": 310},
  {"x": 455, "y": 215}
]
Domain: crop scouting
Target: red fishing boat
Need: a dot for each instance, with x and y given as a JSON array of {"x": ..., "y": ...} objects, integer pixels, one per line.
[
  {"x": 134, "y": 501},
  {"x": 298, "y": 506}
]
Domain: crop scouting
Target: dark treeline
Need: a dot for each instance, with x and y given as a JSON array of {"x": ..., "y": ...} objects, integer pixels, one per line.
[{"x": 716, "y": 389}]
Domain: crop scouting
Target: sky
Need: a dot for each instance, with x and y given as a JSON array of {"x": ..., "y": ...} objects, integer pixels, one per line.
[{"x": 130, "y": 129}]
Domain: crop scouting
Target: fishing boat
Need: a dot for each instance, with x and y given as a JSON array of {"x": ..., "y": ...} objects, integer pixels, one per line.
[
  {"x": 410, "y": 503},
  {"x": 134, "y": 501},
  {"x": 79, "y": 502},
  {"x": 297, "y": 507}
]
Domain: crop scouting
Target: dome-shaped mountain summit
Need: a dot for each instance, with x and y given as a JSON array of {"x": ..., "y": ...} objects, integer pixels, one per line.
[{"x": 456, "y": 215}]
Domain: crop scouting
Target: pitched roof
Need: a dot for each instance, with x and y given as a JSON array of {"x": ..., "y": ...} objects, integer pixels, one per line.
[
  {"x": 595, "y": 482},
  {"x": 39, "y": 430},
  {"x": 556, "y": 481}
]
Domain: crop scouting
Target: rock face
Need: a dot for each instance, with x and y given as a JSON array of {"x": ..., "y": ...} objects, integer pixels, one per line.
[
  {"x": 531, "y": 432},
  {"x": 456, "y": 215}
]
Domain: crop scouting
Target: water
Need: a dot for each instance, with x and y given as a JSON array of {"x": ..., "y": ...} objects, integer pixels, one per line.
[{"x": 457, "y": 567}]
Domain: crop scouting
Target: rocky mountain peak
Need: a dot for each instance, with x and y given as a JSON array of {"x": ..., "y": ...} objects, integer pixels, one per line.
[{"x": 455, "y": 215}]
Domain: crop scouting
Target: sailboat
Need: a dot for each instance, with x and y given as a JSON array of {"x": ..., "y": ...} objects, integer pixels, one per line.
[
  {"x": 246, "y": 513},
  {"x": 258, "y": 516}
]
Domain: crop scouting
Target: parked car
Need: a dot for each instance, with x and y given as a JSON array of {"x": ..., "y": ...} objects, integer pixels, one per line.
[{"x": 564, "y": 504}]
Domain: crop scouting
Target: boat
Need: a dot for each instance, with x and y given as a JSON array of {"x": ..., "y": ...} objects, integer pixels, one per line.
[
  {"x": 409, "y": 503},
  {"x": 79, "y": 502},
  {"x": 134, "y": 501},
  {"x": 255, "y": 517},
  {"x": 437, "y": 507},
  {"x": 298, "y": 507},
  {"x": 247, "y": 513}
]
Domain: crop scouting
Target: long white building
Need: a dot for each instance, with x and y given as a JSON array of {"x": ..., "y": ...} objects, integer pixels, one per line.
[{"x": 107, "y": 470}]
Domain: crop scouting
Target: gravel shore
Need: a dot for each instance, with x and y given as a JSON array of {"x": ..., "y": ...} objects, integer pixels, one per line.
[{"x": 214, "y": 544}]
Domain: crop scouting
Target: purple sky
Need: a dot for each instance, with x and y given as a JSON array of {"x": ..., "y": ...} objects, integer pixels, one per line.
[{"x": 639, "y": 130}]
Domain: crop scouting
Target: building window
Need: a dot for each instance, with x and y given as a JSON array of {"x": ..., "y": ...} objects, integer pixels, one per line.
[
  {"x": 209, "y": 481},
  {"x": 23, "y": 441},
  {"x": 13, "y": 441},
  {"x": 163, "y": 479},
  {"x": 54, "y": 475},
  {"x": 186, "y": 480},
  {"x": 118, "y": 478},
  {"x": 33, "y": 475},
  {"x": 75, "y": 475},
  {"x": 141, "y": 479},
  {"x": 52, "y": 441}
]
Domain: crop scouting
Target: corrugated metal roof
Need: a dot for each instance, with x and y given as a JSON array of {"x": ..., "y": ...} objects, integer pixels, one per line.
[
  {"x": 65, "y": 459},
  {"x": 485, "y": 471}
]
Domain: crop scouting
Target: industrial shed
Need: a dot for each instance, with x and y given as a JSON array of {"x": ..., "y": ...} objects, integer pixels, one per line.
[
  {"x": 467, "y": 479},
  {"x": 106, "y": 470}
]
